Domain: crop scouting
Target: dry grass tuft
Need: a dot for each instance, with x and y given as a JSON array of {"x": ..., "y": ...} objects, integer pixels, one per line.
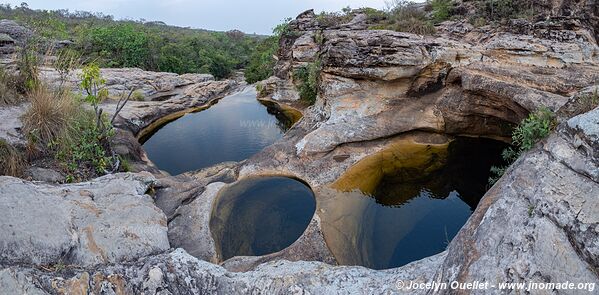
[
  {"x": 8, "y": 89},
  {"x": 49, "y": 115},
  {"x": 11, "y": 161}
]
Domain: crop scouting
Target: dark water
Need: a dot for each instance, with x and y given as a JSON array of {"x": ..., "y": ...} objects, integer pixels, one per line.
[
  {"x": 234, "y": 129},
  {"x": 405, "y": 222},
  {"x": 258, "y": 216}
]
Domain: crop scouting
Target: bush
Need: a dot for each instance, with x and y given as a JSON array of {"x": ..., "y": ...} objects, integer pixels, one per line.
[
  {"x": 83, "y": 149},
  {"x": 533, "y": 129},
  {"x": 262, "y": 61},
  {"x": 497, "y": 10},
  {"x": 66, "y": 62},
  {"x": 60, "y": 127},
  {"x": 28, "y": 64},
  {"x": 307, "y": 78},
  {"x": 407, "y": 16},
  {"x": 11, "y": 161},
  {"x": 527, "y": 134},
  {"x": 441, "y": 10}
]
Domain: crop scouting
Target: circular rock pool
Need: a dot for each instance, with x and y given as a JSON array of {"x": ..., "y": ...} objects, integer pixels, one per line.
[
  {"x": 259, "y": 216},
  {"x": 410, "y": 214}
]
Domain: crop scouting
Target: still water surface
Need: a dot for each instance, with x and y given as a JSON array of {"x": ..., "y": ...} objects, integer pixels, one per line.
[
  {"x": 259, "y": 216},
  {"x": 406, "y": 221},
  {"x": 234, "y": 129}
]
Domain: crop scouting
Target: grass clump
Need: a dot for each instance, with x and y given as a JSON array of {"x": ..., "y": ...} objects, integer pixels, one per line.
[
  {"x": 11, "y": 160},
  {"x": 58, "y": 126},
  {"x": 8, "y": 88},
  {"x": 589, "y": 101},
  {"x": 497, "y": 10},
  {"x": 527, "y": 134},
  {"x": 28, "y": 63},
  {"x": 307, "y": 78},
  {"x": 49, "y": 114},
  {"x": 407, "y": 16}
]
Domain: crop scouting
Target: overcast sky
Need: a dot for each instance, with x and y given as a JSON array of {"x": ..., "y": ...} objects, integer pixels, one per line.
[{"x": 250, "y": 16}]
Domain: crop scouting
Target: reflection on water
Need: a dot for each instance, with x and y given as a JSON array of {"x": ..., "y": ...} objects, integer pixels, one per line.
[
  {"x": 234, "y": 129},
  {"x": 259, "y": 216},
  {"x": 407, "y": 221}
]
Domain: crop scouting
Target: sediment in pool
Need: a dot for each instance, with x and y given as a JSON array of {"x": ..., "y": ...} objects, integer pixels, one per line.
[{"x": 412, "y": 198}]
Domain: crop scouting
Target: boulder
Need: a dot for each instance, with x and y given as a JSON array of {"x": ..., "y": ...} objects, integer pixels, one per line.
[
  {"x": 15, "y": 31},
  {"x": 43, "y": 174},
  {"x": 121, "y": 80},
  {"x": 107, "y": 220}
]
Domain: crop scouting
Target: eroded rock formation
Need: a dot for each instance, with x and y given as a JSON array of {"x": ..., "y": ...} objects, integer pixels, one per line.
[{"x": 380, "y": 91}]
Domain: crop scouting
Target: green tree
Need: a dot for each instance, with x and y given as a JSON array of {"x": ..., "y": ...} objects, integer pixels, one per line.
[{"x": 121, "y": 45}]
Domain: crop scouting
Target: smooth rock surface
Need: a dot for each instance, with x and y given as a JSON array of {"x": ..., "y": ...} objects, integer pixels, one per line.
[{"x": 106, "y": 220}]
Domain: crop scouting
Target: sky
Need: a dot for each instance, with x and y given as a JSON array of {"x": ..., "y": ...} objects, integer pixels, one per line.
[{"x": 250, "y": 16}]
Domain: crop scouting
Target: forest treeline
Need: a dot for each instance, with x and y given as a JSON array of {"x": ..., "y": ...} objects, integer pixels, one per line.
[{"x": 152, "y": 46}]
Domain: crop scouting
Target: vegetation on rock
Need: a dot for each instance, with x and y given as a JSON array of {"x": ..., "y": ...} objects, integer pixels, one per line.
[
  {"x": 60, "y": 130},
  {"x": 8, "y": 93},
  {"x": 527, "y": 134},
  {"x": 307, "y": 79},
  {"x": 262, "y": 60},
  {"x": 11, "y": 160}
]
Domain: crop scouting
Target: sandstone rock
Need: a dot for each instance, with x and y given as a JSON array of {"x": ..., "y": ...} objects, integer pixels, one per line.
[
  {"x": 305, "y": 48},
  {"x": 195, "y": 218},
  {"x": 179, "y": 273},
  {"x": 122, "y": 80},
  {"x": 378, "y": 83},
  {"x": 10, "y": 129},
  {"x": 107, "y": 220},
  {"x": 15, "y": 282},
  {"x": 141, "y": 118},
  {"x": 14, "y": 30},
  {"x": 36, "y": 227},
  {"x": 42, "y": 174},
  {"x": 549, "y": 234}
]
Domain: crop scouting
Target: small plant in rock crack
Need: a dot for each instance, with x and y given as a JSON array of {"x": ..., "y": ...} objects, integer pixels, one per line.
[
  {"x": 527, "y": 134},
  {"x": 307, "y": 78},
  {"x": 531, "y": 211}
]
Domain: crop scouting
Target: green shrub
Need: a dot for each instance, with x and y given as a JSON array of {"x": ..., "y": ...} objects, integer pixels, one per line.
[
  {"x": 125, "y": 164},
  {"x": 441, "y": 10},
  {"x": 497, "y": 10},
  {"x": 83, "y": 148},
  {"x": 307, "y": 78},
  {"x": 66, "y": 62},
  {"x": 262, "y": 61},
  {"x": 28, "y": 64},
  {"x": 407, "y": 16},
  {"x": 525, "y": 136},
  {"x": 537, "y": 126}
]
